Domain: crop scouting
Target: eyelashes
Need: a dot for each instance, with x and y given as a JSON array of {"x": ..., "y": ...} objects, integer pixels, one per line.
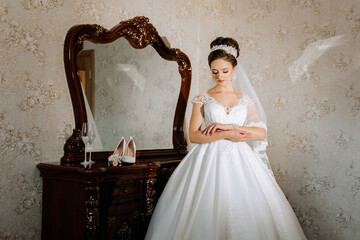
[{"x": 217, "y": 72}]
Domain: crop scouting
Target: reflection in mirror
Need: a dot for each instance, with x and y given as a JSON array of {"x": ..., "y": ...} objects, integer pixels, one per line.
[{"x": 129, "y": 92}]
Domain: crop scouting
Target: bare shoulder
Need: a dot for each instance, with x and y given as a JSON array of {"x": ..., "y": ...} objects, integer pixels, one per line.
[{"x": 211, "y": 91}]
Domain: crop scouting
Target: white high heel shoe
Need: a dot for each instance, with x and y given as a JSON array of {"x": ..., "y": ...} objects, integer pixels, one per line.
[
  {"x": 115, "y": 158},
  {"x": 130, "y": 152}
]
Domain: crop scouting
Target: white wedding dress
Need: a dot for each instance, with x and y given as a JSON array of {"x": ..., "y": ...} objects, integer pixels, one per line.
[{"x": 223, "y": 190}]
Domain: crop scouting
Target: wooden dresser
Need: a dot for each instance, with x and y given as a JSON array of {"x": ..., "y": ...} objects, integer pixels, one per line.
[{"x": 100, "y": 202}]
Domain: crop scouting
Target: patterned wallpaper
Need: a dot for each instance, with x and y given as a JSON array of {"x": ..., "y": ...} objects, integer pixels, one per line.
[{"x": 301, "y": 55}]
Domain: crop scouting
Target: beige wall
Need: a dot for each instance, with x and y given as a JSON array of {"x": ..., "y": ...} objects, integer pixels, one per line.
[{"x": 302, "y": 57}]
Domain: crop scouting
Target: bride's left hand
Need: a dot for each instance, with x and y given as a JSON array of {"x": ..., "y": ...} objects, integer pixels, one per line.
[{"x": 216, "y": 127}]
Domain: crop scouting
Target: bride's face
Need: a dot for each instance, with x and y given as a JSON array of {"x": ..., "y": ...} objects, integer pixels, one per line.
[{"x": 222, "y": 71}]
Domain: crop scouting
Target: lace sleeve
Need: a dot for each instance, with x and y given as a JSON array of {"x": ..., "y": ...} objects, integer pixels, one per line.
[
  {"x": 199, "y": 99},
  {"x": 257, "y": 124}
]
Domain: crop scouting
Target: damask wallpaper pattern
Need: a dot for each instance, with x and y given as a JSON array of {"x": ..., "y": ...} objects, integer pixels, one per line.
[{"x": 301, "y": 55}]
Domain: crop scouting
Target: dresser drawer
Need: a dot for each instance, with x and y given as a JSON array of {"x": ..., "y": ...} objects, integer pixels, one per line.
[
  {"x": 123, "y": 196},
  {"x": 127, "y": 191},
  {"x": 118, "y": 208}
]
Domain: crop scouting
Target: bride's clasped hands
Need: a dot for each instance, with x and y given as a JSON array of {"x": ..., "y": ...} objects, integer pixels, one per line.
[{"x": 236, "y": 135}]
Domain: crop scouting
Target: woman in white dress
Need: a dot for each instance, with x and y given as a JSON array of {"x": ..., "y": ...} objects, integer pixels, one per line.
[{"x": 224, "y": 187}]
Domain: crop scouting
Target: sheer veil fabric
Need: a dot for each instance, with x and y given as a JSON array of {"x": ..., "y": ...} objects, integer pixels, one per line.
[{"x": 256, "y": 115}]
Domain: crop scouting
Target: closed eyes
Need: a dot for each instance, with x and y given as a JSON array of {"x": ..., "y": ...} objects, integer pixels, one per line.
[{"x": 216, "y": 72}]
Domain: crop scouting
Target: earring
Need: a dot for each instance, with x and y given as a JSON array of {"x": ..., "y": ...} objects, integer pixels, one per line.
[{"x": 234, "y": 76}]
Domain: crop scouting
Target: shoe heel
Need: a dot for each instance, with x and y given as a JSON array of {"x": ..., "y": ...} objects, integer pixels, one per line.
[{"x": 129, "y": 155}]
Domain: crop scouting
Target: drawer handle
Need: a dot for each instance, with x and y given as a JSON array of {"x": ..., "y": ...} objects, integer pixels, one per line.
[{"x": 125, "y": 190}]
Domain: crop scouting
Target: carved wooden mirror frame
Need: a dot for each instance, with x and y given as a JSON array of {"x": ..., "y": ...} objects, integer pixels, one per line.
[{"x": 139, "y": 33}]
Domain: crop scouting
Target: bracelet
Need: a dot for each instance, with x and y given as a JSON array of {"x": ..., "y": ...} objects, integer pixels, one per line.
[{"x": 235, "y": 125}]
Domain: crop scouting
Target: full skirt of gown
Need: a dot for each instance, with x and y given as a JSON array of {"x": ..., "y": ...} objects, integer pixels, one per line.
[{"x": 223, "y": 190}]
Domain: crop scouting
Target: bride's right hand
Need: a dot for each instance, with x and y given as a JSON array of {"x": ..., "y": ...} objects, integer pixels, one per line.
[{"x": 238, "y": 135}]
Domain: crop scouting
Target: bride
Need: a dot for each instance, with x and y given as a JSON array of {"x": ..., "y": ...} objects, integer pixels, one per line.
[{"x": 224, "y": 187}]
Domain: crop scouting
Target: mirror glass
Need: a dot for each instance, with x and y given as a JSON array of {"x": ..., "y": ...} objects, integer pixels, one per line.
[{"x": 129, "y": 92}]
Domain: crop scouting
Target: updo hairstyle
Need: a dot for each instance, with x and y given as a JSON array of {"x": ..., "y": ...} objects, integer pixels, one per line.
[{"x": 220, "y": 53}]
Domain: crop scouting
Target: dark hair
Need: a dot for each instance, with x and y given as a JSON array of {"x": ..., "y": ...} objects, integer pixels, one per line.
[{"x": 222, "y": 53}]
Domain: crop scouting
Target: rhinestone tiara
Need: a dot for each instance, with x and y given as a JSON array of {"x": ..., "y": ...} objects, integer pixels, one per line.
[{"x": 226, "y": 48}]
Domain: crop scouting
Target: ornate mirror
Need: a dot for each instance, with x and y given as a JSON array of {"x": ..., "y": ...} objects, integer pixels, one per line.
[{"x": 127, "y": 82}]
